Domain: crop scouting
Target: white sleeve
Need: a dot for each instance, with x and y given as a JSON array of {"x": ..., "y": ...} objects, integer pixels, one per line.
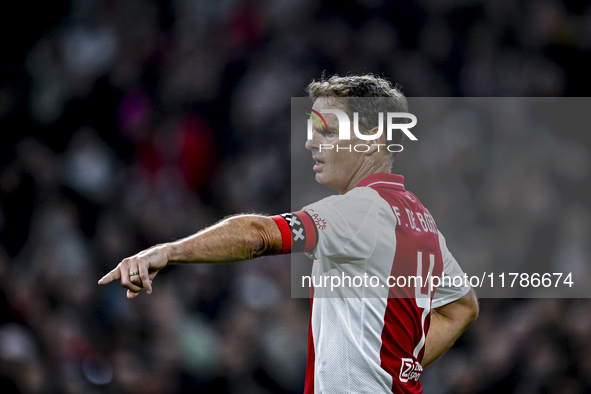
[
  {"x": 447, "y": 292},
  {"x": 344, "y": 226}
]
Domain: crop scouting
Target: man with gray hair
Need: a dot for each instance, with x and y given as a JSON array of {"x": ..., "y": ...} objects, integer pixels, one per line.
[{"x": 376, "y": 339}]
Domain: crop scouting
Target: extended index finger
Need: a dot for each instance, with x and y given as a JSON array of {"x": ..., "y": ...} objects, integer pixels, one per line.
[{"x": 111, "y": 276}]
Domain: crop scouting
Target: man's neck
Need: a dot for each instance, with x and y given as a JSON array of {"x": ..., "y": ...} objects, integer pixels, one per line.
[{"x": 368, "y": 168}]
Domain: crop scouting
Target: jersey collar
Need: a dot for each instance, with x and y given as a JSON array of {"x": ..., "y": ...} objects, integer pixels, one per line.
[{"x": 383, "y": 179}]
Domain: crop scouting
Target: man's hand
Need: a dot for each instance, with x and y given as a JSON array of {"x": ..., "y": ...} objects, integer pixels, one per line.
[{"x": 137, "y": 272}]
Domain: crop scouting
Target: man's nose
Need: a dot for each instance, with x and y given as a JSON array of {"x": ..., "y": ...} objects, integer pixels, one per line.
[{"x": 311, "y": 144}]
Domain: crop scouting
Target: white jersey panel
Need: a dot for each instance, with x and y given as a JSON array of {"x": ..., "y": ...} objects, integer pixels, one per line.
[
  {"x": 348, "y": 225},
  {"x": 447, "y": 292},
  {"x": 347, "y": 325}
]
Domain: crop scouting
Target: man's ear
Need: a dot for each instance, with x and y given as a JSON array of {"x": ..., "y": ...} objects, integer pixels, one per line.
[{"x": 374, "y": 144}]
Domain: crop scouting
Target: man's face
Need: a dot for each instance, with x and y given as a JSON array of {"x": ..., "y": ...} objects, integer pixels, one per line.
[{"x": 333, "y": 168}]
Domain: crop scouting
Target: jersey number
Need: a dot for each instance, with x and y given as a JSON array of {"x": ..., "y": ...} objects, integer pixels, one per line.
[{"x": 423, "y": 300}]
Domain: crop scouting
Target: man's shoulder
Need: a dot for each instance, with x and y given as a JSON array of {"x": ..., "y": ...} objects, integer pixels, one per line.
[
  {"x": 352, "y": 207},
  {"x": 355, "y": 196}
]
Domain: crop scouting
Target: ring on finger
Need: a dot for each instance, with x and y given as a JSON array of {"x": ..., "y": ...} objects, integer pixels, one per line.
[{"x": 133, "y": 273}]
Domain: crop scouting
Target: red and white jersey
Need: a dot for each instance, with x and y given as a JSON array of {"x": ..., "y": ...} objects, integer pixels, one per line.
[{"x": 370, "y": 338}]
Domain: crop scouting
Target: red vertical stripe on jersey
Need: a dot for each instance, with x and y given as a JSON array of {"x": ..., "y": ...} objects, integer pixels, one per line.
[
  {"x": 285, "y": 233},
  {"x": 309, "y": 386},
  {"x": 402, "y": 321}
]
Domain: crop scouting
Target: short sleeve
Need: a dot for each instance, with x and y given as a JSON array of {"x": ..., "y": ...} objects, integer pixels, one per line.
[
  {"x": 344, "y": 225},
  {"x": 447, "y": 292}
]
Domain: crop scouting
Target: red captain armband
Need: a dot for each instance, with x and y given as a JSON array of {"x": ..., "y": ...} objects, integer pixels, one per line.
[{"x": 298, "y": 232}]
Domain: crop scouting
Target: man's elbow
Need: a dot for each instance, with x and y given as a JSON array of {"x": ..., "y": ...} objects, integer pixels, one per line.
[
  {"x": 472, "y": 308},
  {"x": 261, "y": 237}
]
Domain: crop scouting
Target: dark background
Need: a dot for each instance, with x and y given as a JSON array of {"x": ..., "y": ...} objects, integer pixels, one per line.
[{"x": 129, "y": 123}]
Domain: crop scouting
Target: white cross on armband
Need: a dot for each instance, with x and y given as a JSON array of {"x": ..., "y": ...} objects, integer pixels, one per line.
[{"x": 298, "y": 234}]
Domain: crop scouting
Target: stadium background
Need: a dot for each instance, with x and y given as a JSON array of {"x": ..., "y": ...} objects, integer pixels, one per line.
[{"x": 128, "y": 123}]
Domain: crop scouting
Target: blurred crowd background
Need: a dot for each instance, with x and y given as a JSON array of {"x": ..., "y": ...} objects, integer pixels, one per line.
[{"x": 129, "y": 123}]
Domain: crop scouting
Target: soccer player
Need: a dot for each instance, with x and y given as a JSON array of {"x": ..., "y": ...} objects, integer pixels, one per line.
[{"x": 362, "y": 339}]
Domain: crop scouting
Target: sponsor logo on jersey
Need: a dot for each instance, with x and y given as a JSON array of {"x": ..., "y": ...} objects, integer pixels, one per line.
[
  {"x": 410, "y": 370},
  {"x": 318, "y": 221}
]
